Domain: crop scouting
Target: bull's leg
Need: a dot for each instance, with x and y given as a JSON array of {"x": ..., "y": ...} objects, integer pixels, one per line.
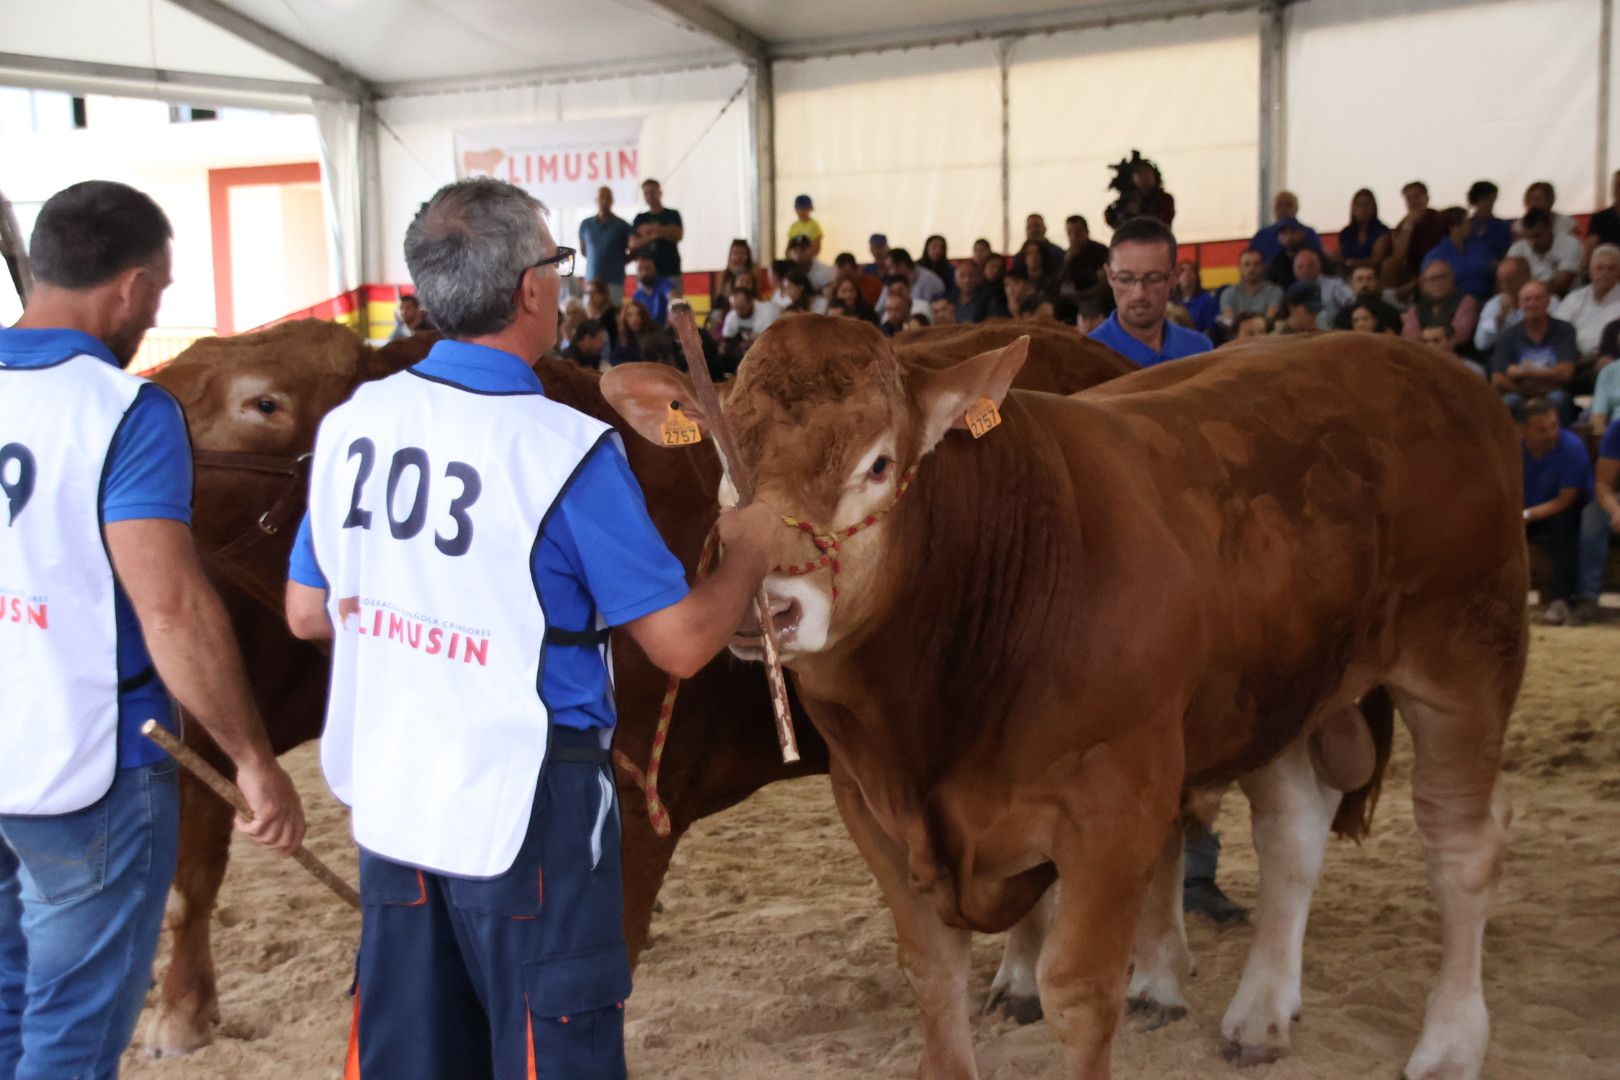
[
  {"x": 1462, "y": 817},
  {"x": 935, "y": 957},
  {"x": 646, "y": 862},
  {"x": 1293, "y": 809},
  {"x": 1163, "y": 961},
  {"x": 188, "y": 1002},
  {"x": 1014, "y": 988}
]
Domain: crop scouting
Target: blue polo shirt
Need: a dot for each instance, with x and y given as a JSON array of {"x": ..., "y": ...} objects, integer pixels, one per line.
[
  {"x": 599, "y": 551},
  {"x": 1268, "y": 241},
  {"x": 656, "y": 299},
  {"x": 1473, "y": 265},
  {"x": 1566, "y": 465},
  {"x": 1609, "y": 446},
  {"x": 148, "y": 475},
  {"x": 1178, "y": 342},
  {"x": 1494, "y": 232},
  {"x": 605, "y": 244}
]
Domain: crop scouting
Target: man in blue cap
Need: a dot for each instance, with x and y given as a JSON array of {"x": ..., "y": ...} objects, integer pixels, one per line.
[{"x": 805, "y": 225}]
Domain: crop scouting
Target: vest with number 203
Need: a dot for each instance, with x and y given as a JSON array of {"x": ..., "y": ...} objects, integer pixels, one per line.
[
  {"x": 58, "y": 621},
  {"x": 427, "y": 502}
]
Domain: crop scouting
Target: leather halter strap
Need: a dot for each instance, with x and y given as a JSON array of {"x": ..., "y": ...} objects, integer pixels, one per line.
[{"x": 286, "y": 510}]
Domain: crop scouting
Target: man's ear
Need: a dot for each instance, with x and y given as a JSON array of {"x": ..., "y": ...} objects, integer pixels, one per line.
[
  {"x": 643, "y": 394},
  {"x": 945, "y": 396}
]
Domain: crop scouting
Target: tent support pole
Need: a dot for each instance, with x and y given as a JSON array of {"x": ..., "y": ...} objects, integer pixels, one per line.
[
  {"x": 1605, "y": 76},
  {"x": 1004, "y": 48},
  {"x": 1273, "y": 95},
  {"x": 763, "y": 110}
]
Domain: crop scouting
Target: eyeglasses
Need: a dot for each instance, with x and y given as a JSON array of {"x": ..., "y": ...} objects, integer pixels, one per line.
[
  {"x": 563, "y": 260},
  {"x": 1150, "y": 281}
]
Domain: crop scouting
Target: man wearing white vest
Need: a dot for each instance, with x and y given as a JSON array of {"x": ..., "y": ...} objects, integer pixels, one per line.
[
  {"x": 468, "y": 543},
  {"x": 101, "y": 597}
]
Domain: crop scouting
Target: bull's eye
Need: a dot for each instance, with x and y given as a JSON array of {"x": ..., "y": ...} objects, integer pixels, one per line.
[
  {"x": 879, "y": 467},
  {"x": 266, "y": 406}
]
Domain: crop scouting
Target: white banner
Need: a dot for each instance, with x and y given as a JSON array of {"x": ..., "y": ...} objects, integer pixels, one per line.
[{"x": 561, "y": 164}]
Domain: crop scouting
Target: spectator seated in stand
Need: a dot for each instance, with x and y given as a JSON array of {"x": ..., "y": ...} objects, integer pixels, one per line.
[
  {"x": 589, "y": 346},
  {"x": 1373, "y": 316},
  {"x": 1333, "y": 294},
  {"x": 1252, "y": 326},
  {"x": 896, "y": 308},
  {"x": 1364, "y": 284},
  {"x": 1199, "y": 303},
  {"x": 1252, "y": 294},
  {"x": 1035, "y": 229},
  {"x": 850, "y": 298},
  {"x": 1600, "y": 523},
  {"x": 653, "y": 292},
  {"x": 1541, "y": 196},
  {"x": 746, "y": 320},
  {"x": 1557, "y": 485},
  {"x": 1036, "y": 306},
  {"x": 925, "y": 284},
  {"x": 900, "y": 285},
  {"x": 917, "y": 322},
  {"x": 1366, "y": 240},
  {"x": 1604, "y": 227},
  {"x": 1031, "y": 265},
  {"x": 1535, "y": 358},
  {"x": 795, "y": 293},
  {"x": 974, "y": 294},
  {"x": 1281, "y": 270},
  {"x": 942, "y": 312},
  {"x": 1412, "y": 239},
  {"x": 937, "y": 262},
  {"x": 1502, "y": 310},
  {"x": 1473, "y": 267},
  {"x": 1083, "y": 264},
  {"x": 640, "y": 338},
  {"x": 801, "y": 257},
  {"x": 1592, "y": 307},
  {"x": 1442, "y": 338},
  {"x": 599, "y": 305},
  {"x": 995, "y": 278},
  {"x": 1088, "y": 316},
  {"x": 1302, "y": 309},
  {"x": 1554, "y": 258},
  {"x": 1268, "y": 241},
  {"x": 1605, "y": 407},
  {"x": 1483, "y": 224},
  {"x": 1438, "y": 302}
]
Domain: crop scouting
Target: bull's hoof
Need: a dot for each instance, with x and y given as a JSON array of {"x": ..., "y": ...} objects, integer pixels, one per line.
[
  {"x": 1154, "y": 1014},
  {"x": 1244, "y": 1055},
  {"x": 173, "y": 1035},
  {"x": 1020, "y": 1010}
]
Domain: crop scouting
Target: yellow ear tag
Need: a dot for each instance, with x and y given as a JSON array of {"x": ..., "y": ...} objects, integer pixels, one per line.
[
  {"x": 981, "y": 417},
  {"x": 679, "y": 429}
]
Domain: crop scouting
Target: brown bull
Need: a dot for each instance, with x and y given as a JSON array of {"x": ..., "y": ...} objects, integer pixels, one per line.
[
  {"x": 264, "y": 394},
  {"x": 1176, "y": 578}
]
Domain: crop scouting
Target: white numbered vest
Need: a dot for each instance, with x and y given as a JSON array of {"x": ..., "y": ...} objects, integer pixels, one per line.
[
  {"x": 426, "y": 506},
  {"x": 58, "y": 626}
]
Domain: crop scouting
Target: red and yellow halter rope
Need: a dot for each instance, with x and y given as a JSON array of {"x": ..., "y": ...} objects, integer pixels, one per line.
[{"x": 828, "y": 543}]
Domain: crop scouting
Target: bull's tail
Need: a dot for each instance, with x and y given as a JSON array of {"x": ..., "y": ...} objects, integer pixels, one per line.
[{"x": 1354, "y": 818}]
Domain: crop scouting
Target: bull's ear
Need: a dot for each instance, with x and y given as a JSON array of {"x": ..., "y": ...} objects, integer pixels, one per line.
[
  {"x": 643, "y": 394},
  {"x": 947, "y": 395}
]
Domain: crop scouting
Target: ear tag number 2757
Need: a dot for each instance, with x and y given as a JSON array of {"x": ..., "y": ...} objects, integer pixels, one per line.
[
  {"x": 679, "y": 429},
  {"x": 982, "y": 417}
]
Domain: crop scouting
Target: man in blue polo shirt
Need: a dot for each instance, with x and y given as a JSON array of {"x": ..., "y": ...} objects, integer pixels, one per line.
[
  {"x": 104, "y": 611},
  {"x": 1141, "y": 269},
  {"x": 468, "y": 597},
  {"x": 1557, "y": 484},
  {"x": 1600, "y": 522},
  {"x": 604, "y": 240}
]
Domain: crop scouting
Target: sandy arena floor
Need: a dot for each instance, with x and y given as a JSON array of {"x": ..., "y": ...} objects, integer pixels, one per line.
[{"x": 773, "y": 957}]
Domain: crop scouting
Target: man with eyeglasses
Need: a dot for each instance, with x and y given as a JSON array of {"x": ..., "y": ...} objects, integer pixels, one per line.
[
  {"x": 468, "y": 544},
  {"x": 1141, "y": 267}
]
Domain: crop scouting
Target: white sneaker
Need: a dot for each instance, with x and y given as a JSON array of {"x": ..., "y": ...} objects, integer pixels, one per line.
[{"x": 1557, "y": 614}]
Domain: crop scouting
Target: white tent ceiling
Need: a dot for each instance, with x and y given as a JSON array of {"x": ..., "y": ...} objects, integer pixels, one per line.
[{"x": 277, "y": 51}]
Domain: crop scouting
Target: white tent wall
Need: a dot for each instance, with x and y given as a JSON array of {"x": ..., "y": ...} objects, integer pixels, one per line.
[
  {"x": 338, "y": 124},
  {"x": 907, "y": 143},
  {"x": 1381, "y": 92},
  {"x": 1185, "y": 92},
  {"x": 702, "y": 158}
]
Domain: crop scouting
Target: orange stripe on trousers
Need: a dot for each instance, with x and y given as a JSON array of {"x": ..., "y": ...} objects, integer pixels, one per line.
[
  {"x": 351, "y": 1065},
  {"x": 529, "y": 1021}
]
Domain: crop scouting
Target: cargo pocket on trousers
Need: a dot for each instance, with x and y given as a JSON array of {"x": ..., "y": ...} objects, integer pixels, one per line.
[
  {"x": 576, "y": 1014},
  {"x": 62, "y": 856},
  {"x": 385, "y": 882}
]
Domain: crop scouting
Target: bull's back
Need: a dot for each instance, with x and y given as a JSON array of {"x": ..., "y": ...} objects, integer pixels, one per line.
[{"x": 1317, "y": 487}]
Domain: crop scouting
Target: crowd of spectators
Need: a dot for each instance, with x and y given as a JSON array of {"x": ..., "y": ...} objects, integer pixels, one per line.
[{"x": 1530, "y": 303}]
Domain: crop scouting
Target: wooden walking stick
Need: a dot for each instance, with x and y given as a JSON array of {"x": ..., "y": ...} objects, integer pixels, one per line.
[
  {"x": 228, "y": 791},
  {"x": 680, "y": 317}
]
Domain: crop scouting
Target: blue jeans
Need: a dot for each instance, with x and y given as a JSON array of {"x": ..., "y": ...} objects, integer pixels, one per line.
[
  {"x": 1560, "y": 400},
  {"x": 81, "y": 904},
  {"x": 1595, "y": 536}
]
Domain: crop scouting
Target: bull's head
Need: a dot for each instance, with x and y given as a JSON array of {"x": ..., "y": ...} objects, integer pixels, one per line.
[{"x": 828, "y": 422}]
